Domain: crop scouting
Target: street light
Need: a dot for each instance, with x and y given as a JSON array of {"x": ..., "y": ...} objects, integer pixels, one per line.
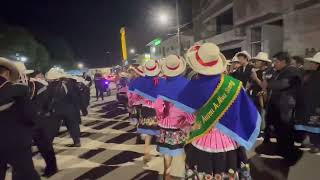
[
  {"x": 132, "y": 51},
  {"x": 80, "y": 65},
  {"x": 23, "y": 59},
  {"x": 164, "y": 18}
]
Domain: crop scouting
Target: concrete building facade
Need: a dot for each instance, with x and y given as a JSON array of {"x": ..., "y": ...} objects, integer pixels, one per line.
[
  {"x": 255, "y": 25},
  {"x": 170, "y": 46}
]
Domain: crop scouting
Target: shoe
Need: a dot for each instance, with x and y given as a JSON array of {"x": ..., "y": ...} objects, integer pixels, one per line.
[
  {"x": 146, "y": 159},
  {"x": 75, "y": 145},
  {"x": 315, "y": 150},
  {"x": 48, "y": 172}
]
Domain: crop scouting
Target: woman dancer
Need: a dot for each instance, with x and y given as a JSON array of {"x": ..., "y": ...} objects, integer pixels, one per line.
[{"x": 174, "y": 123}]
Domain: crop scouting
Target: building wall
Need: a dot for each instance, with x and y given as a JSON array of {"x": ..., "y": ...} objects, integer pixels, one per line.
[
  {"x": 302, "y": 30},
  {"x": 298, "y": 34},
  {"x": 170, "y": 45}
]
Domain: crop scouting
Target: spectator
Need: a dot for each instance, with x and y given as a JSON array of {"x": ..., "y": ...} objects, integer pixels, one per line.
[
  {"x": 308, "y": 114},
  {"x": 244, "y": 72},
  {"x": 98, "y": 82},
  {"x": 297, "y": 61},
  {"x": 283, "y": 88}
]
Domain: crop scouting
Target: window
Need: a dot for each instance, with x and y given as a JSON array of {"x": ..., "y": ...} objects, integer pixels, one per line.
[{"x": 256, "y": 40}]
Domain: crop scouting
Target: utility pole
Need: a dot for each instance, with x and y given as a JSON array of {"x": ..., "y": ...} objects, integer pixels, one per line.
[{"x": 178, "y": 27}]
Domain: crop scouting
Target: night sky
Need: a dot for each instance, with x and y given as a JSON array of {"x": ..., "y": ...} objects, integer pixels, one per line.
[{"x": 91, "y": 27}]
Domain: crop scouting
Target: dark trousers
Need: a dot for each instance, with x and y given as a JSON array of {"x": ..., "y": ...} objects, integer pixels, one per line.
[
  {"x": 21, "y": 162},
  {"x": 284, "y": 129},
  {"x": 315, "y": 139},
  {"x": 99, "y": 93},
  {"x": 71, "y": 117},
  {"x": 43, "y": 141}
]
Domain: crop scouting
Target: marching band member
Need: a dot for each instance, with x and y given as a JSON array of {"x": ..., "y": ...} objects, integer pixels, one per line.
[{"x": 17, "y": 121}]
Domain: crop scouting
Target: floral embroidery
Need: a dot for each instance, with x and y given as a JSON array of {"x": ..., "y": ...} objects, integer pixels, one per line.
[
  {"x": 150, "y": 122},
  {"x": 241, "y": 174},
  {"x": 172, "y": 137}
]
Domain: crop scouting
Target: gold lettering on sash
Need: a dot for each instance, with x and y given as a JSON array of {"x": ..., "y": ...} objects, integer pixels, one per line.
[{"x": 218, "y": 102}]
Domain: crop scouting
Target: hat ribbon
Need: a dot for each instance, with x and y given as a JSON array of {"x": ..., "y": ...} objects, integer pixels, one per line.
[
  {"x": 198, "y": 58},
  {"x": 3, "y": 84},
  {"x": 138, "y": 70},
  {"x": 173, "y": 68},
  {"x": 155, "y": 81},
  {"x": 153, "y": 68}
]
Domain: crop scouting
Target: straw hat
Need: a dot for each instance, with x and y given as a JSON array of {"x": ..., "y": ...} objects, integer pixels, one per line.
[
  {"x": 22, "y": 68},
  {"x": 54, "y": 74},
  {"x": 173, "y": 66},
  {"x": 245, "y": 53},
  {"x": 315, "y": 58},
  {"x": 124, "y": 74},
  {"x": 14, "y": 72},
  {"x": 262, "y": 56},
  {"x": 234, "y": 59},
  {"x": 138, "y": 70},
  {"x": 152, "y": 68},
  {"x": 206, "y": 59}
]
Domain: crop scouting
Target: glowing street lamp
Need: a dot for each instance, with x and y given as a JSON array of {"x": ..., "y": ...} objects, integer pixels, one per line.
[
  {"x": 163, "y": 18},
  {"x": 80, "y": 65},
  {"x": 132, "y": 51},
  {"x": 23, "y": 59}
]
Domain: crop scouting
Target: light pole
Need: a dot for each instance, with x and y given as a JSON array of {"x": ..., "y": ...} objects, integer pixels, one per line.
[{"x": 178, "y": 28}]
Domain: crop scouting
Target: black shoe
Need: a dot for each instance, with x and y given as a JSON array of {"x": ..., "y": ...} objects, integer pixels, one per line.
[
  {"x": 48, "y": 172},
  {"x": 75, "y": 145},
  {"x": 315, "y": 150}
]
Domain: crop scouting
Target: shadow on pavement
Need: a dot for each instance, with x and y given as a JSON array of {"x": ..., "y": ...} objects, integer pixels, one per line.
[
  {"x": 112, "y": 110},
  {"x": 268, "y": 169}
]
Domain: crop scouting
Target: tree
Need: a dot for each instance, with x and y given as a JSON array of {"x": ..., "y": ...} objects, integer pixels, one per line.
[{"x": 17, "y": 42}]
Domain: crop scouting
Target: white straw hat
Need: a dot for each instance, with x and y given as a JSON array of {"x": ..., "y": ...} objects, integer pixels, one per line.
[
  {"x": 235, "y": 59},
  {"x": 22, "y": 68},
  {"x": 14, "y": 72},
  {"x": 206, "y": 59},
  {"x": 54, "y": 74},
  {"x": 315, "y": 58},
  {"x": 138, "y": 70},
  {"x": 245, "y": 53},
  {"x": 173, "y": 66},
  {"x": 262, "y": 56},
  {"x": 152, "y": 68}
]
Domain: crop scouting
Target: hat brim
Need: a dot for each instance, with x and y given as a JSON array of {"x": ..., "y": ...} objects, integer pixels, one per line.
[
  {"x": 14, "y": 72},
  {"x": 53, "y": 76},
  {"x": 312, "y": 60},
  {"x": 152, "y": 73},
  {"x": 219, "y": 68},
  {"x": 136, "y": 71},
  {"x": 172, "y": 73},
  {"x": 28, "y": 71},
  {"x": 264, "y": 60},
  {"x": 244, "y": 54}
]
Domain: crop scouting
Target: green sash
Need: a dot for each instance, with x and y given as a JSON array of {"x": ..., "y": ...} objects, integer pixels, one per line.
[{"x": 220, "y": 101}]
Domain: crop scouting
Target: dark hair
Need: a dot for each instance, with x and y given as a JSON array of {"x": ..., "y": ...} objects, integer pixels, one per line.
[
  {"x": 265, "y": 63},
  {"x": 35, "y": 73},
  {"x": 243, "y": 55},
  {"x": 3, "y": 69},
  {"x": 298, "y": 59},
  {"x": 283, "y": 56}
]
